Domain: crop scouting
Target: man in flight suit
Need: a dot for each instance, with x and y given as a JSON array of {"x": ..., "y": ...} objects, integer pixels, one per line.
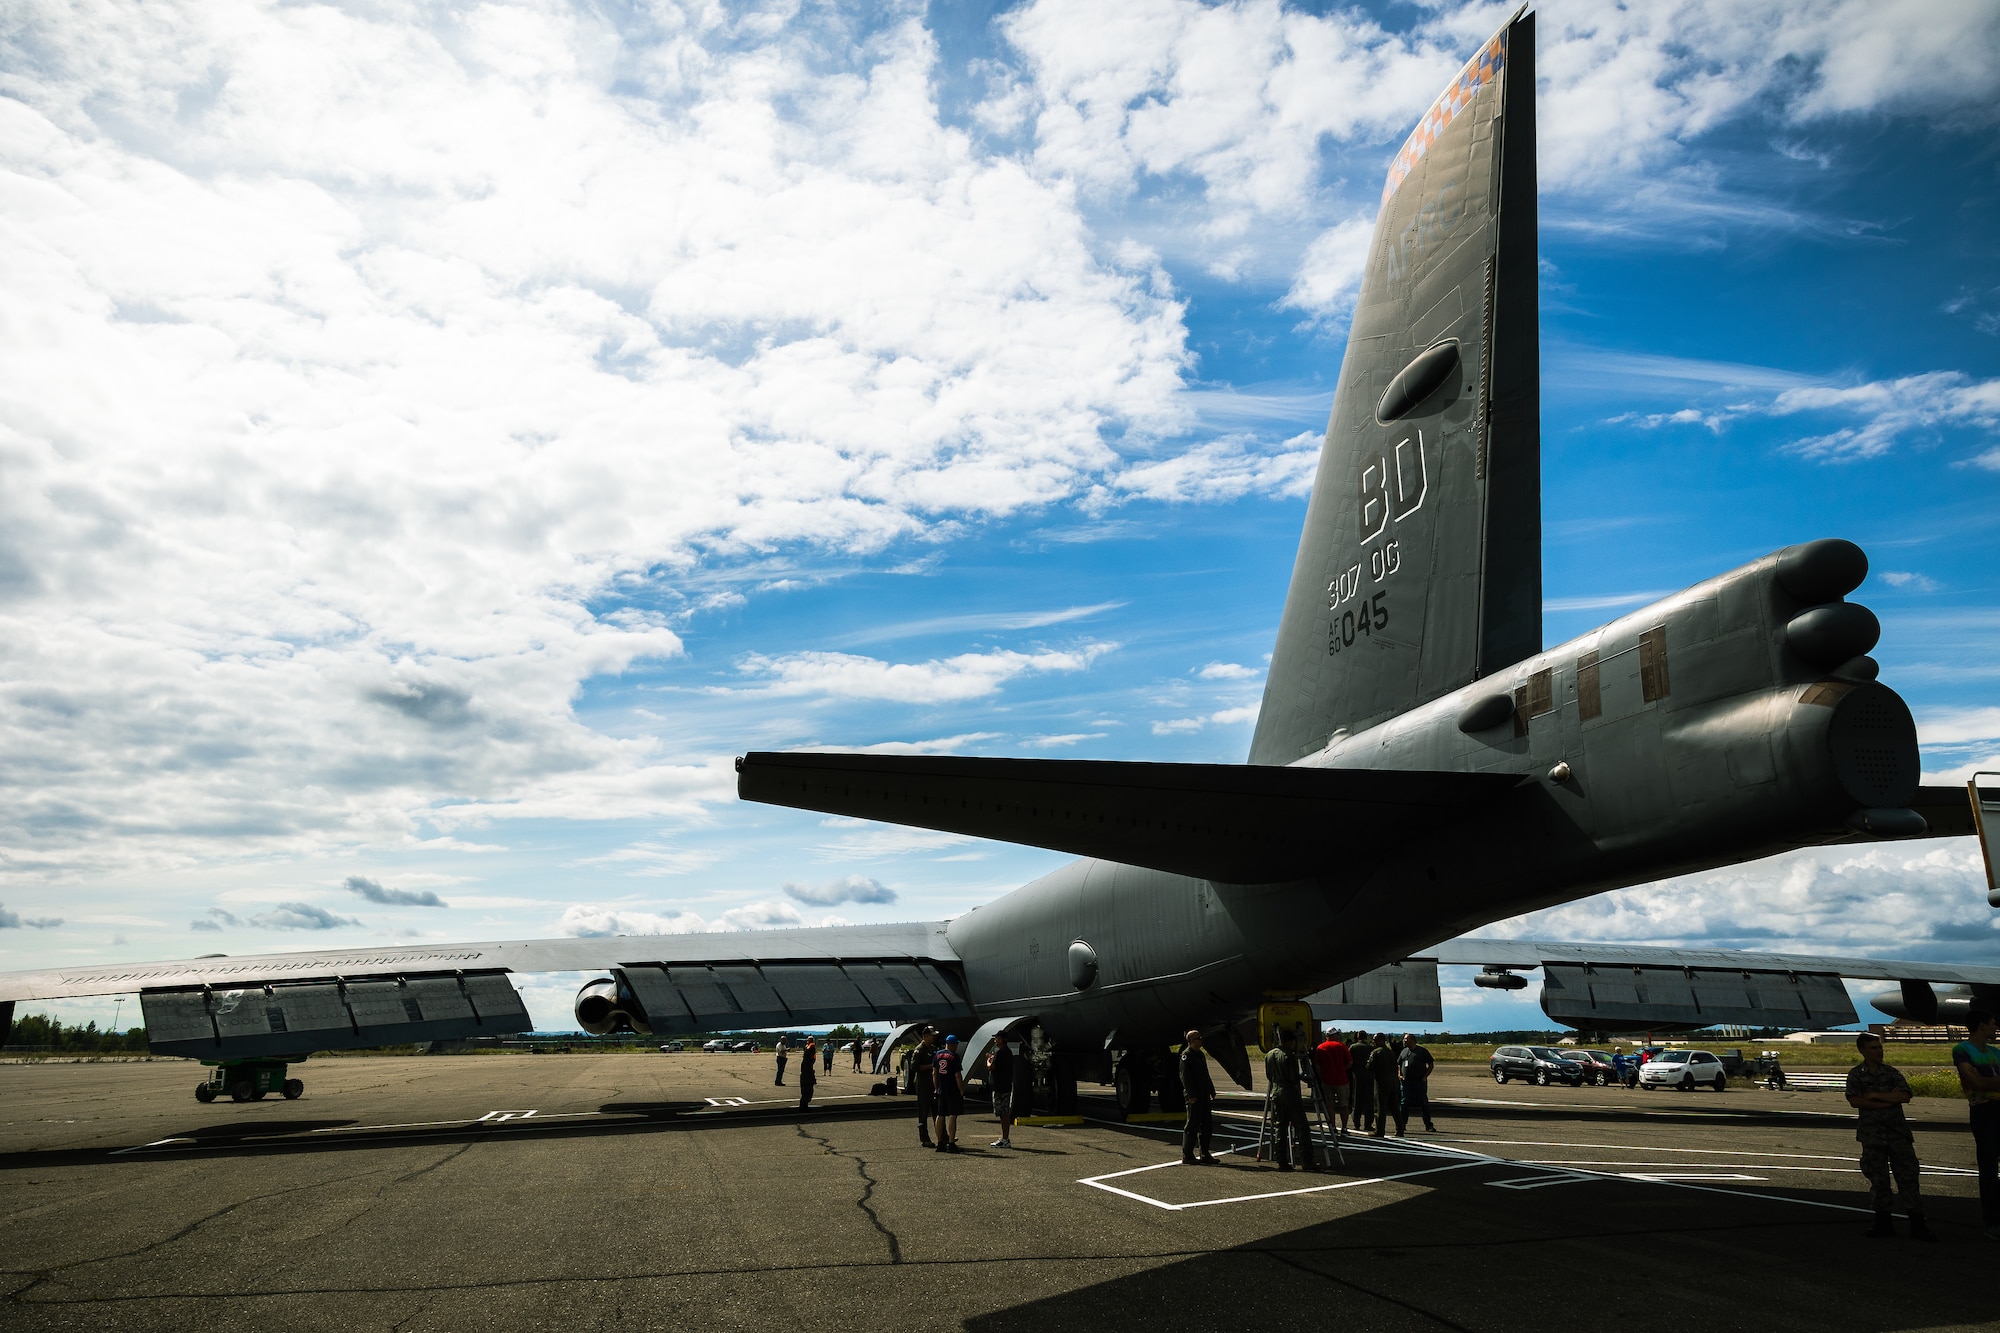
[
  {"x": 1198, "y": 1089},
  {"x": 1288, "y": 1111}
]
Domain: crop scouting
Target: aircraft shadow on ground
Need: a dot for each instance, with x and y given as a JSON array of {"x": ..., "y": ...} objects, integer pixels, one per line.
[{"x": 1464, "y": 1255}]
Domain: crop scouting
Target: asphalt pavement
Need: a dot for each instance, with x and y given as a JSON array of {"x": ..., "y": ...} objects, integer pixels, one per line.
[{"x": 643, "y": 1191}]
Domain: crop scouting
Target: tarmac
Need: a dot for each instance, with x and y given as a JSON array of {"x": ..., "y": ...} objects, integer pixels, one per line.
[{"x": 652, "y": 1191}]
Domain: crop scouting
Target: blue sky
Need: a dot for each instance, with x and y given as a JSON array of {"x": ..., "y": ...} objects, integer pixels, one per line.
[{"x": 434, "y": 444}]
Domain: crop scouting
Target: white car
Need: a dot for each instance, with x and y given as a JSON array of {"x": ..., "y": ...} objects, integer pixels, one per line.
[
  {"x": 719, "y": 1044},
  {"x": 1686, "y": 1070}
]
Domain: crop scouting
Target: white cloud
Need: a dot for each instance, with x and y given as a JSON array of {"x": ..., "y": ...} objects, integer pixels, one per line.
[
  {"x": 876, "y": 841},
  {"x": 1064, "y": 739},
  {"x": 362, "y": 365},
  {"x": 936, "y": 745},
  {"x": 1221, "y": 718},
  {"x": 1912, "y": 900},
  {"x": 1221, "y": 470},
  {"x": 1889, "y": 411},
  {"x": 649, "y": 858},
  {"x": 1228, "y": 671},
  {"x": 966, "y": 676},
  {"x": 1958, "y": 726},
  {"x": 1603, "y": 602},
  {"x": 1908, "y": 579},
  {"x": 1329, "y": 274},
  {"x": 846, "y": 889},
  {"x": 590, "y": 921}
]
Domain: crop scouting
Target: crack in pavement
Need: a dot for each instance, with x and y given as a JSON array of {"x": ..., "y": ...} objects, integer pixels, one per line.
[
  {"x": 21, "y": 1295},
  {"x": 867, "y": 1191}
]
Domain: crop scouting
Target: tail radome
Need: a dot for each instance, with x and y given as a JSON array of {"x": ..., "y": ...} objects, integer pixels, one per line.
[{"x": 1419, "y": 569}]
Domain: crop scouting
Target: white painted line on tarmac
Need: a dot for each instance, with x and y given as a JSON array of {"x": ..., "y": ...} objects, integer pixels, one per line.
[{"x": 1097, "y": 1182}]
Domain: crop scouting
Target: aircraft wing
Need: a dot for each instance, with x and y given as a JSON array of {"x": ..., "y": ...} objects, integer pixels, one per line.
[
  {"x": 1629, "y": 987},
  {"x": 1542, "y": 953},
  {"x": 1238, "y": 823},
  {"x": 268, "y": 1004}
]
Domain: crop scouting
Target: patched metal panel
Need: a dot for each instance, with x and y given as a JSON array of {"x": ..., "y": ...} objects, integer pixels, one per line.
[
  {"x": 665, "y": 1010},
  {"x": 292, "y": 1020},
  {"x": 1603, "y": 997},
  {"x": 1404, "y": 992},
  {"x": 807, "y": 988}
]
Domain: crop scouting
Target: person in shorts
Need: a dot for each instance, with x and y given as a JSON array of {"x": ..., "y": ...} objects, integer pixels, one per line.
[
  {"x": 1000, "y": 1078},
  {"x": 950, "y": 1095}
]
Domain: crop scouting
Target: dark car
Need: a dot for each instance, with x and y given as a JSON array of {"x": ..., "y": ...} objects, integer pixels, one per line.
[
  {"x": 1540, "y": 1065},
  {"x": 1597, "y": 1066}
]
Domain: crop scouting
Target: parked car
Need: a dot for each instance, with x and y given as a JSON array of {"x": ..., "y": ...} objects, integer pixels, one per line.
[
  {"x": 747, "y": 1047},
  {"x": 672, "y": 1046},
  {"x": 1685, "y": 1070},
  {"x": 1540, "y": 1065},
  {"x": 1597, "y": 1066},
  {"x": 719, "y": 1044}
]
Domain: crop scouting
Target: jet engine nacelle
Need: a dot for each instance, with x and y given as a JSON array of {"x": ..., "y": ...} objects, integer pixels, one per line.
[{"x": 605, "y": 1006}]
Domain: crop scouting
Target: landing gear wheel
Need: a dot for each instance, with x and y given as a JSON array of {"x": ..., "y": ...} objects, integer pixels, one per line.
[
  {"x": 1133, "y": 1094},
  {"x": 1500, "y": 1077},
  {"x": 204, "y": 1092},
  {"x": 295, "y": 1088},
  {"x": 240, "y": 1091},
  {"x": 1171, "y": 1097}
]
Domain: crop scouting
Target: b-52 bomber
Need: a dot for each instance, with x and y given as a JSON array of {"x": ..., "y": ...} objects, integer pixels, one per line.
[{"x": 1421, "y": 766}]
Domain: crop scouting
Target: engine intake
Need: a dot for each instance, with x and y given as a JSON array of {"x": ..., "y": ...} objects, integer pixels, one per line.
[{"x": 606, "y": 1005}]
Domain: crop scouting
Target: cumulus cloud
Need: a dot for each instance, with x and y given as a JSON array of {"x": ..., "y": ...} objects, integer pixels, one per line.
[
  {"x": 375, "y": 892},
  {"x": 14, "y": 921},
  {"x": 847, "y": 889},
  {"x": 966, "y": 676},
  {"x": 1228, "y": 671},
  {"x": 332, "y": 465},
  {"x": 1875, "y": 899}
]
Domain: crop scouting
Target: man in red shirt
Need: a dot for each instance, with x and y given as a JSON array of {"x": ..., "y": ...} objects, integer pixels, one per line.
[{"x": 1330, "y": 1062}]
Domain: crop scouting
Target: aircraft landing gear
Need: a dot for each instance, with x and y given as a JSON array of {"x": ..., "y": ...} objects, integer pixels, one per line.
[
  {"x": 249, "y": 1081},
  {"x": 1133, "y": 1084}
]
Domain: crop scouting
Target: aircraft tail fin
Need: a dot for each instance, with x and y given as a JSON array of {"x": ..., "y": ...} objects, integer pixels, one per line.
[{"x": 1419, "y": 569}]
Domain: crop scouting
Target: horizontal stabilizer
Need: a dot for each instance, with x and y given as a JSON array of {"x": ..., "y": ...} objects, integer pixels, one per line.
[{"x": 1237, "y": 823}]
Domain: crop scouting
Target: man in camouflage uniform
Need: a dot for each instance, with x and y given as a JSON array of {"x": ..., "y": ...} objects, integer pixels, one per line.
[
  {"x": 1288, "y": 1108},
  {"x": 1877, "y": 1092}
]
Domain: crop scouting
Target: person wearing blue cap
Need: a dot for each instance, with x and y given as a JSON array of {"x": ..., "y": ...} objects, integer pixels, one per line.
[{"x": 950, "y": 1095}]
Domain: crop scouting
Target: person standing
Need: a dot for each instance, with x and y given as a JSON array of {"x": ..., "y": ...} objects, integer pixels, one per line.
[
  {"x": 1414, "y": 1063},
  {"x": 1288, "y": 1110},
  {"x": 858, "y": 1046},
  {"x": 1978, "y": 1062},
  {"x": 1382, "y": 1069},
  {"x": 1000, "y": 1078},
  {"x": 1331, "y": 1062},
  {"x": 783, "y": 1055},
  {"x": 1877, "y": 1092},
  {"x": 920, "y": 1076},
  {"x": 1198, "y": 1090},
  {"x": 808, "y": 1074},
  {"x": 826, "y": 1056},
  {"x": 1361, "y": 1083},
  {"x": 950, "y": 1095}
]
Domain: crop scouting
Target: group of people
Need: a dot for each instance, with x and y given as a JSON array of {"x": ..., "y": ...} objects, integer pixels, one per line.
[
  {"x": 1367, "y": 1081},
  {"x": 816, "y": 1058},
  {"x": 934, "y": 1070}
]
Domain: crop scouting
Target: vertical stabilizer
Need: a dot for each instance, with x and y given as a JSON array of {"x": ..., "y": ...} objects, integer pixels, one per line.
[{"x": 1420, "y": 566}]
